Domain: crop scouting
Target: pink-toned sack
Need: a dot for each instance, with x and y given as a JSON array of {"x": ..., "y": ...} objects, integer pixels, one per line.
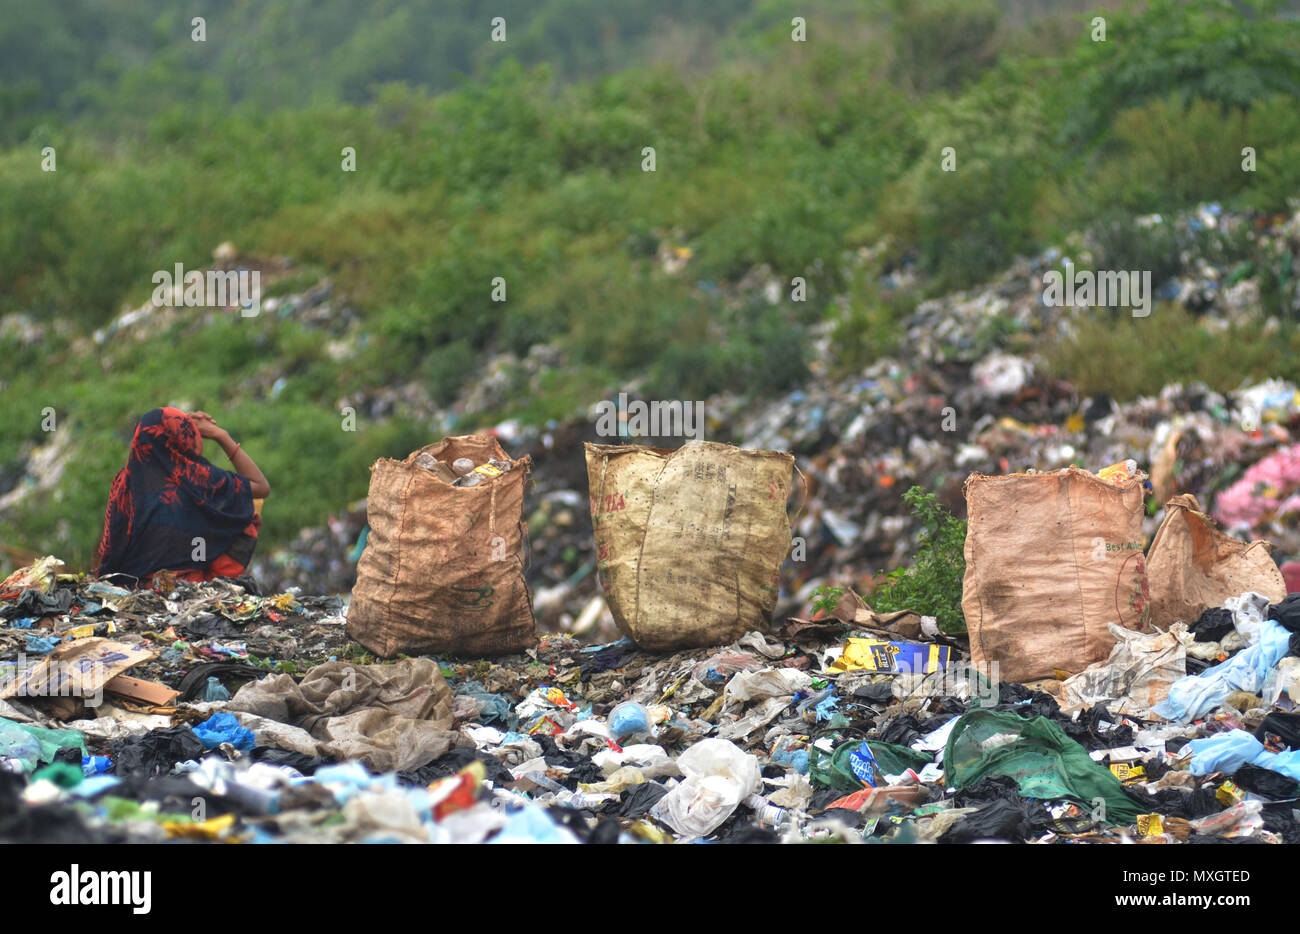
[
  {"x": 1052, "y": 559},
  {"x": 1193, "y": 566}
]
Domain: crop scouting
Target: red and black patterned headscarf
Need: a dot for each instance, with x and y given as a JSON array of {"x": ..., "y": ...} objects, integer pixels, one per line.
[{"x": 167, "y": 496}]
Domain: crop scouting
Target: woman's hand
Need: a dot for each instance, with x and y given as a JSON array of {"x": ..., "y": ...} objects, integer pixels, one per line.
[
  {"x": 207, "y": 425},
  {"x": 239, "y": 459}
]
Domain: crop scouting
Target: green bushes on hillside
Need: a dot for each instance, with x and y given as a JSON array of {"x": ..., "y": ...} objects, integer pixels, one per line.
[{"x": 775, "y": 159}]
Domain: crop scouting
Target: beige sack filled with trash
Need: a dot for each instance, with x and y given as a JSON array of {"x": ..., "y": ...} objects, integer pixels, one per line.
[
  {"x": 689, "y": 542},
  {"x": 443, "y": 566},
  {"x": 1052, "y": 560}
]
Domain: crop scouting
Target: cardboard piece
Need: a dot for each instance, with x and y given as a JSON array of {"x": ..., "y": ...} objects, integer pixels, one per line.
[
  {"x": 881, "y": 655},
  {"x": 74, "y": 669},
  {"x": 148, "y": 692},
  {"x": 851, "y": 611}
]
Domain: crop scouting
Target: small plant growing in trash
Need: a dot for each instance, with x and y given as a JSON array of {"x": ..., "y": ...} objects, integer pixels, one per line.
[
  {"x": 932, "y": 585},
  {"x": 825, "y": 598}
]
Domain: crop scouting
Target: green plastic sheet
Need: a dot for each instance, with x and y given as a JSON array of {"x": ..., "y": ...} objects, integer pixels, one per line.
[
  {"x": 33, "y": 745},
  {"x": 834, "y": 771},
  {"x": 1045, "y": 762}
]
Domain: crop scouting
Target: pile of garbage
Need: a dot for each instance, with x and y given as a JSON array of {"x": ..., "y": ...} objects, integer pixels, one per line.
[
  {"x": 210, "y": 712},
  {"x": 865, "y": 441},
  {"x": 1155, "y": 702},
  {"x": 320, "y": 559},
  {"x": 970, "y": 397}
]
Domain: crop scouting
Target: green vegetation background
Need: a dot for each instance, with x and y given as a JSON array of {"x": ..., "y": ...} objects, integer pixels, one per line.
[{"x": 523, "y": 160}]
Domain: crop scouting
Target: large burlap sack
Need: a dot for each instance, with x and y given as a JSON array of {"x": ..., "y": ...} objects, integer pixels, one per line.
[
  {"x": 443, "y": 565},
  {"x": 1052, "y": 559},
  {"x": 1193, "y": 566},
  {"x": 689, "y": 543}
]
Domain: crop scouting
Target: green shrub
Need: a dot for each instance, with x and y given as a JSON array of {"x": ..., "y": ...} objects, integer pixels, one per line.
[
  {"x": 1120, "y": 243},
  {"x": 968, "y": 223},
  {"x": 932, "y": 585},
  {"x": 1126, "y": 357},
  {"x": 826, "y": 598},
  {"x": 940, "y": 44}
]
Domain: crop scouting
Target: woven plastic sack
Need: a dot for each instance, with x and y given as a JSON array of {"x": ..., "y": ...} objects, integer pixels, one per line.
[
  {"x": 1193, "y": 566},
  {"x": 689, "y": 542},
  {"x": 1052, "y": 559},
  {"x": 443, "y": 568}
]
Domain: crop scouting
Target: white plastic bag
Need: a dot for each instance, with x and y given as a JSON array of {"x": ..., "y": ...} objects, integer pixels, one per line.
[
  {"x": 1138, "y": 674},
  {"x": 638, "y": 754},
  {"x": 760, "y": 685},
  {"x": 1248, "y": 612},
  {"x": 719, "y": 775}
]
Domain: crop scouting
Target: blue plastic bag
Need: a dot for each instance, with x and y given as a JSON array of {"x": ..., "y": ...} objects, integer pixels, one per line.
[
  {"x": 215, "y": 690},
  {"x": 1227, "y": 752},
  {"x": 531, "y": 824},
  {"x": 628, "y": 719},
  {"x": 224, "y": 728},
  {"x": 1196, "y": 695}
]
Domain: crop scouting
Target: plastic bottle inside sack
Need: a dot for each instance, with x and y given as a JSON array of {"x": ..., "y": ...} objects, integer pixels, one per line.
[
  {"x": 493, "y": 468},
  {"x": 1120, "y": 472}
]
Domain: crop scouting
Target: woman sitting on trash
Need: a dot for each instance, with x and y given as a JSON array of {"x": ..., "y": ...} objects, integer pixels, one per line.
[{"x": 171, "y": 510}]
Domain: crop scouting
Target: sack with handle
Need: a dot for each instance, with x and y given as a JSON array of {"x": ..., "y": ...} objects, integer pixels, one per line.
[{"x": 1193, "y": 566}]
